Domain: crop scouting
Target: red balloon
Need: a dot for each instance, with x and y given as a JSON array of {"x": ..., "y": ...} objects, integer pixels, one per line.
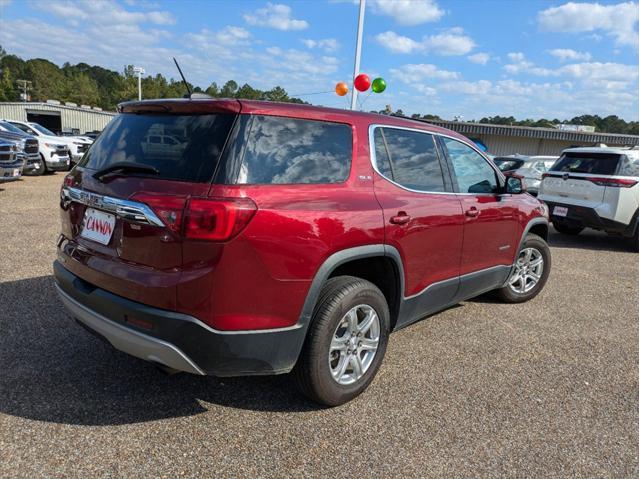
[{"x": 362, "y": 82}]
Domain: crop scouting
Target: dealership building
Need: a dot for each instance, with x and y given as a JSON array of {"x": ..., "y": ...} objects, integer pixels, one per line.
[
  {"x": 508, "y": 140},
  {"x": 58, "y": 117}
]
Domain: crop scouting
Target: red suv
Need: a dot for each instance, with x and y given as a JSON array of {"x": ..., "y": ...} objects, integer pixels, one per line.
[{"x": 231, "y": 237}]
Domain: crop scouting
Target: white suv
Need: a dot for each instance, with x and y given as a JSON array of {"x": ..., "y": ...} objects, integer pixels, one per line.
[{"x": 594, "y": 188}]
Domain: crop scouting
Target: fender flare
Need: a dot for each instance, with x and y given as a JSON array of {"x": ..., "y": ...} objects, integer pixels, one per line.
[
  {"x": 540, "y": 220},
  {"x": 339, "y": 258}
]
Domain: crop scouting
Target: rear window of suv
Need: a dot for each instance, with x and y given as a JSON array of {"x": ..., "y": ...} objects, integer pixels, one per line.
[
  {"x": 281, "y": 150},
  {"x": 597, "y": 163},
  {"x": 180, "y": 147}
]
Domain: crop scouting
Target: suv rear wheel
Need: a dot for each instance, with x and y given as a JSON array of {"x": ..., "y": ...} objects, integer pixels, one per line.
[
  {"x": 566, "y": 229},
  {"x": 530, "y": 271},
  {"x": 346, "y": 341}
]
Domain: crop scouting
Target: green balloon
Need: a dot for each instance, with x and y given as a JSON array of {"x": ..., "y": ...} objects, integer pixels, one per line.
[{"x": 379, "y": 85}]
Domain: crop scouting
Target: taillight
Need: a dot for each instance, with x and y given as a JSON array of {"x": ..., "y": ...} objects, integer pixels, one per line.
[
  {"x": 545, "y": 175},
  {"x": 68, "y": 180},
  {"x": 170, "y": 209},
  {"x": 217, "y": 219},
  {"x": 613, "y": 182},
  {"x": 211, "y": 219}
]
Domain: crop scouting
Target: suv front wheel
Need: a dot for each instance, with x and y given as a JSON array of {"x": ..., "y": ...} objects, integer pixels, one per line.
[
  {"x": 346, "y": 341},
  {"x": 530, "y": 271}
]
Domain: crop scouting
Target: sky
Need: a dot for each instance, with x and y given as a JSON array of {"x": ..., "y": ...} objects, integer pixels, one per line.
[{"x": 465, "y": 58}]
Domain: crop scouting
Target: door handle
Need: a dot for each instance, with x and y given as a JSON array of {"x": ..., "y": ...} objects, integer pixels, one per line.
[
  {"x": 472, "y": 212},
  {"x": 401, "y": 218}
]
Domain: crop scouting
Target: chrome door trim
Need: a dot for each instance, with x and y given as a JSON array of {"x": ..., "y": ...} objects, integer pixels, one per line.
[{"x": 133, "y": 211}]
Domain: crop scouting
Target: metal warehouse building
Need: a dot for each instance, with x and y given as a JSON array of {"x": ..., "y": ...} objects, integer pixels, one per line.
[
  {"x": 508, "y": 140},
  {"x": 57, "y": 117}
]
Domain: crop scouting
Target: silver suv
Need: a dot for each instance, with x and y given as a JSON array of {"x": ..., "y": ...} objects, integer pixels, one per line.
[
  {"x": 594, "y": 188},
  {"x": 531, "y": 168}
]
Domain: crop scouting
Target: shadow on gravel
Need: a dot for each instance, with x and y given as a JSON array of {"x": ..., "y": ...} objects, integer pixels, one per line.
[
  {"x": 53, "y": 370},
  {"x": 589, "y": 240}
]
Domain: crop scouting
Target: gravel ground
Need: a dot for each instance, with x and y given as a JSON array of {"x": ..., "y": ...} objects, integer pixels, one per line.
[{"x": 548, "y": 388}]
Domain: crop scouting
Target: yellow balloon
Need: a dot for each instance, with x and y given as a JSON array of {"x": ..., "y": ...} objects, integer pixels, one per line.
[{"x": 341, "y": 88}]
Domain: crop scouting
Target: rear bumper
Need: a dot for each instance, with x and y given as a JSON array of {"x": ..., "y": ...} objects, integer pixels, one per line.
[
  {"x": 589, "y": 218},
  {"x": 177, "y": 340}
]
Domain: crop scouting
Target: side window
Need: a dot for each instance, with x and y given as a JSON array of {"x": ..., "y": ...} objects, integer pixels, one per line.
[
  {"x": 381, "y": 154},
  {"x": 413, "y": 160},
  {"x": 630, "y": 166},
  {"x": 473, "y": 173},
  {"x": 283, "y": 150}
]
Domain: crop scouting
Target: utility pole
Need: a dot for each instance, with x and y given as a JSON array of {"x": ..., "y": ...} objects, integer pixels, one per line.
[
  {"x": 358, "y": 49},
  {"x": 140, "y": 71},
  {"x": 26, "y": 86}
]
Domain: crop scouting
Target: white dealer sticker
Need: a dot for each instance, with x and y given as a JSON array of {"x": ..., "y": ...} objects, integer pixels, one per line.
[{"x": 98, "y": 226}]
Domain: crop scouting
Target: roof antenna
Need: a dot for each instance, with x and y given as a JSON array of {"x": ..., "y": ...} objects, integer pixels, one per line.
[{"x": 183, "y": 79}]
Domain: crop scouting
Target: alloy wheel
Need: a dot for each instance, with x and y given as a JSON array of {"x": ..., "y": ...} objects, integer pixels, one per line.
[
  {"x": 354, "y": 344},
  {"x": 528, "y": 270}
]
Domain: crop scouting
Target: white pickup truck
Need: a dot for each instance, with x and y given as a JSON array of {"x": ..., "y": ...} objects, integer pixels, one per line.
[{"x": 76, "y": 145}]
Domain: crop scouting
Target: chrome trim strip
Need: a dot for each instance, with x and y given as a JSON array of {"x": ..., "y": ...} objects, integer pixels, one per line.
[
  {"x": 371, "y": 146},
  {"x": 129, "y": 341},
  {"x": 133, "y": 211}
]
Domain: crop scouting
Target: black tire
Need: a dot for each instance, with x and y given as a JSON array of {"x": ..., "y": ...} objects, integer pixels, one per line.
[
  {"x": 313, "y": 372},
  {"x": 508, "y": 294},
  {"x": 42, "y": 169},
  {"x": 635, "y": 240},
  {"x": 567, "y": 230}
]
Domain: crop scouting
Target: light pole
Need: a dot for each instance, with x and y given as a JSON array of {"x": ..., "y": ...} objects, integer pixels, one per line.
[
  {"x": 140, "y": 71},
  {"x": 358, "y": 49}
]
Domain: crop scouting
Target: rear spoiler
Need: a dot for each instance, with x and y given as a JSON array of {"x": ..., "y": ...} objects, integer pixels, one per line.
[{"x": 181, "y": 106}]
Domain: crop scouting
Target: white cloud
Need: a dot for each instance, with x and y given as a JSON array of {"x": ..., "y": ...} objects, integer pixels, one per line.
[
  {"x": 415, "y": 73},
  {"x": 397, "y": 43},
  {"x": 479, "y": 58},
  {"x": 567, "y": 54},
  {"x": 409, "y": 12},
  {"x": 275, "y": 15},
  {"x": 105, "y": 12},
  {"x": 480, "y": 87},
  {"x": 602, "y": 71},
  {"x": 229, "y": 35},
  {"x": 329, "y": 44},
  {"x": 617, "y": 21},
  {"x": 449, "y": 42},
  {"x": 521, "y": 65}
]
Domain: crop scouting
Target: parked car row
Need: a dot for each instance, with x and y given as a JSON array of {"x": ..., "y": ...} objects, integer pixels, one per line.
[{"x": 38, "y": 150}]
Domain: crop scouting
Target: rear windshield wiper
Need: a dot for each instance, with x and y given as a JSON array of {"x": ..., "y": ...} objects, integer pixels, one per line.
[{"x": 126, "y": 166}]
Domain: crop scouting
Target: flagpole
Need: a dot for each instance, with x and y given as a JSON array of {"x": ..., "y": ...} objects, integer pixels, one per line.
[{"x": 358, "y": 49}]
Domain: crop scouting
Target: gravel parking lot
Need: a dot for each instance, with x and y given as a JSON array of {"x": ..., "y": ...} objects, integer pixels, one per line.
[{"x": 548, "y": 388}]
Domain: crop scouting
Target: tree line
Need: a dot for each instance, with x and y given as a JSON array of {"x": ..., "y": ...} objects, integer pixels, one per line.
[{"x": 96, "y": 86}]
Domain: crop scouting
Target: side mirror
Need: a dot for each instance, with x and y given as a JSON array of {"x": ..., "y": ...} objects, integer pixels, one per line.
[{"x": 514, "y": 185}]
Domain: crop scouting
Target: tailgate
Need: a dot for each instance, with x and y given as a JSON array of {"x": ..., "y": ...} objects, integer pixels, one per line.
[
  {"x": 572, "y": 189},
  {"x": 121, "y": 225}
]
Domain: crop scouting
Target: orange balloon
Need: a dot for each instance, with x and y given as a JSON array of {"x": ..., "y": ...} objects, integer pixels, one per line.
[{"x": 341, "y": 88}]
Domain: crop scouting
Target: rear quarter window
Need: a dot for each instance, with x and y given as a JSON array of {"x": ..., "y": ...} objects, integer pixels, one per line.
[
  {"x": 281, "y": 150},
  {"x": 597, "y": 163},
  {"x": 629, "y": 166}
]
